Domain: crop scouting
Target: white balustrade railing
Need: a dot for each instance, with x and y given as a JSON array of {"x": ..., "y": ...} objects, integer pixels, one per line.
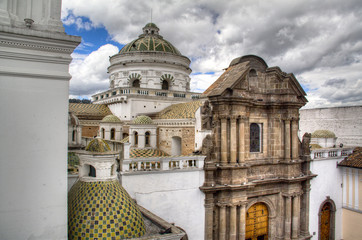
[
  {"x": 162, "y": 163},
  {"x": 328, "y": 153}
]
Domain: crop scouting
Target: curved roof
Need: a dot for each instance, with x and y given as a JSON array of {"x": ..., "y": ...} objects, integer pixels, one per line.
[
  {"x": 142, "y": 120},
  {"x": 180, "y": 111},
  {"x": 323, "y": 134},
  {"x": 102, "y": 210},
  {"x": 150, "y": 41},
  {"x": 111, "y": 118},
  {"x": 141, "y": 153},
  {"x": 98, "y": 145}
]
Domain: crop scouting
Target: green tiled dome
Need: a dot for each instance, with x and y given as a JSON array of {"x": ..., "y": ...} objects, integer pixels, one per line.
[
  {"x": 102, "y": 210},
  {"x": 98, "y": 145},
  {"x": 143, "y": 120},
  {"x": 150, "y": 41},
  {"x": 323, "y": 134},
  {"x": 111, "y": 118}
]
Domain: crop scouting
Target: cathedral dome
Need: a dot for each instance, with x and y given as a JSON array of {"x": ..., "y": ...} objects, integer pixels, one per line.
[
  {"x": 150, "y": 41},
  {"x": 143, "y": 120},
  {"x": 323, "y": 134},
  {"x": 111, "y": 118},
  {"x": 98, "y": 145},
  {"x": 102, "y": 210}
]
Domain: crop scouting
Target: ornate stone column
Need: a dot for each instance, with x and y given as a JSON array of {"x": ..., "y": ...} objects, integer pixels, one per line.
[
  {"x": 224, "y": 141},
  {"x": 222, "y": 221},
  {"x": 233, "y": 140},
  {"x": 295, "y": 141},
  {"x": 304, "y": 225},
  {"x": 288, "y": 217},
  {"x": 296, "y": 216},
  {"x": 209, "y": 215},
  {"x": 242, "y": 220},
  {"x": 287, "y": 139},
  {"x": 233, "y": 222},
  {"x": 242, "y": 140}
]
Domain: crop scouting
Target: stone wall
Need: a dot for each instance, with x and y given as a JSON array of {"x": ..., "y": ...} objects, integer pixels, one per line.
[
  {"x": 187, "y": 135},
  {"x": 345, "y": 122},
  {"x": 90, "y": 131}
]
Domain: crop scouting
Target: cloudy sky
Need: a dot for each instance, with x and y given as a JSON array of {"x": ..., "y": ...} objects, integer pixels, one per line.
[{"x": 319, "y": 41}]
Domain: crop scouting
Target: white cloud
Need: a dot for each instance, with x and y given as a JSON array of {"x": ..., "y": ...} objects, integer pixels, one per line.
[
  {"x": 89, "y": 73},
  {"x": 312, "y": 39}
]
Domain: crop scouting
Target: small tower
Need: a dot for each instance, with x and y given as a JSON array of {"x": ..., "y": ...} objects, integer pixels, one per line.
[{"x": 98, "y": 206}]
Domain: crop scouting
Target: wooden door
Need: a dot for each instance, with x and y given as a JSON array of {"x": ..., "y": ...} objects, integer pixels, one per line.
[
  {"x": 257, "y": 222},
  {"x": 325, "y": 221}
]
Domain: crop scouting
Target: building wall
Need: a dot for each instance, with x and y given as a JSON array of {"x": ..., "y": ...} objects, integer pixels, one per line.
[
  {"x": 351, "y": 224},
  {"x": 174, "y": 196},
  {"x": 34, "y": 130},
  {"x": 326, "y": 184},
  {"x": 90, "y": 131},
  {"x": 187, "y": 135},
  {"x": 345, "y": 122}
]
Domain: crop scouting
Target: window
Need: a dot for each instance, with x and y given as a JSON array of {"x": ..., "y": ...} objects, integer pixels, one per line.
[
  {"x": 92, "y": 171},
  {"x": 136, "y": 83},
  {"x": 252, "y": 73},
  {"x": 135, "y": 138},
  {"x": 255, "y": 137},
  {"x": 102, "y": 133},
  {"x": 73, "y": 136},
  {"x": 164, "y": 85},
  {"x": 113, "y": 133},
  {"x": 147, "y": 139}
]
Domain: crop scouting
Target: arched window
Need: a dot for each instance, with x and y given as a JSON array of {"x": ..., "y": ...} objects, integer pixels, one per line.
[
  {"x": 136, "y": 83},
  {"x": 125, "y": 135},
  {"x": 73, "y": 135},
  {"x": 113, "y": 133},
  {"x": 164, "y": 85},
  {"x": 256, "y": 226},
  {"x": 147, "y": 139},
  {"x": 255, "y": 137},
  {"x": 327, "y": 220},
  {"x": 102, "y": 133},
  {"x": 135, "y": 138},
  {"x": 92, "y": 171},
  {"x": 252, "y": 73}
]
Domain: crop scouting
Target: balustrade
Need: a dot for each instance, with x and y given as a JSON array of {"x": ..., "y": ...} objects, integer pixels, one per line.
[{"x": 326, "y": 153}]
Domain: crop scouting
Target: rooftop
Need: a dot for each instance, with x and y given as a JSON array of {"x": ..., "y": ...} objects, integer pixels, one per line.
[{"x": 354, "y": 160}]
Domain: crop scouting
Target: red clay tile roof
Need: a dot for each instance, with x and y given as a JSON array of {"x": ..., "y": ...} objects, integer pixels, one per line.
[{"x": 354, "y": 160}]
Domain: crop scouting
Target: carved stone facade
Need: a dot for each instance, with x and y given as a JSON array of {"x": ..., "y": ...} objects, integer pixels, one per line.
[{"x": 255, "y": 159}]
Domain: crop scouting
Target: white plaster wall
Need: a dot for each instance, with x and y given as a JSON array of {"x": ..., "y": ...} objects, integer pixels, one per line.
[
  {"x": 345, "y": 122},
  {"x": 33, "y": 158},
  {"x": 174, "y": 196},
  {"x": 327, "y": 183}
]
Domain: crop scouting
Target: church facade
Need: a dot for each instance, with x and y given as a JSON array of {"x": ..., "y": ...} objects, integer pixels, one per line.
[{"x": 256, "y": 177}]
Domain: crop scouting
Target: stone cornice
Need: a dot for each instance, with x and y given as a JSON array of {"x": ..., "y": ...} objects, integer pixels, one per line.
[{"x": 37, "y": 40}]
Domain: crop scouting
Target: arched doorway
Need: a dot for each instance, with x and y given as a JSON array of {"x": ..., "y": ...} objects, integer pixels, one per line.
[
  {"x": 176, "y": 146},
  {"x": 164, "y": 85},
  {"x": 257, "y": 222},
  {"x": 327, "y": 220}
]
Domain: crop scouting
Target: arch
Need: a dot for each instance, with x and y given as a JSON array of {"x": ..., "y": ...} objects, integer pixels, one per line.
[
  {"x": 135, "y": 135},
  {"x": 165, "y": 85},
  {"x": 136, "y": 83},
  {"x": 113, "y": 134},
  {"x": 113, "y": 170},
  {"x": 147, "y": 139},
  {"x": 326, "y": 220},
  {"x": 102, "y": 133},
  {"x": 89, "y": 170},
  {"x": 252, "y": 73},
  {"x": 176, "y": 146},
  {"x": 255, "y": 137},
  {"x": 257, "y": 222},
  {"x": 125, "y": 135}
]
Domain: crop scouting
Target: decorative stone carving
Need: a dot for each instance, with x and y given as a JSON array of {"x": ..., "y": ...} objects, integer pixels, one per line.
[
  {"x": 306, "y": 144},
  {"x": 207, "y": 147},
  {"x": 206, "y": 116}
]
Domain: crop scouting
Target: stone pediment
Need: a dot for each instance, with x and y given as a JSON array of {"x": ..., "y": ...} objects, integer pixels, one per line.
[{"x": 250, "y": 78}]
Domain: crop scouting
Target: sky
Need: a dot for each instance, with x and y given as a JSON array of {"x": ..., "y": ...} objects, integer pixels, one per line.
[{"x": 320, "y": 41}]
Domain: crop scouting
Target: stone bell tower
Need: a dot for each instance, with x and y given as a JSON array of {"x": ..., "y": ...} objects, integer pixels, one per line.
[{"x": 256, "y": 179}]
